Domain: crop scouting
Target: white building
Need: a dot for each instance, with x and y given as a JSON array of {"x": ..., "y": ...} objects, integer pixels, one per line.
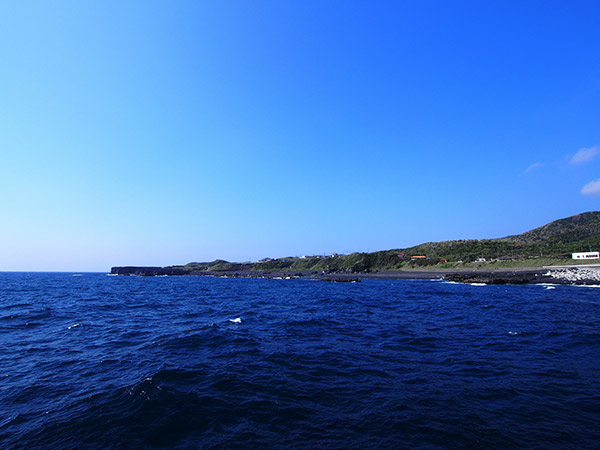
[{"x": 586, "y": 255}]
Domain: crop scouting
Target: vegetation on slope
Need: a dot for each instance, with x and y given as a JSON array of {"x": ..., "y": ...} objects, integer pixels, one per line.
[
  {"x": 579, "y": 230},
  {"x": 550, "y": 244}
]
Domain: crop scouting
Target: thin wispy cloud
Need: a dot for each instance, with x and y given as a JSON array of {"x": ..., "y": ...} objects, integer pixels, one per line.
[
  {"x": 532, "y": 167},
  {"x": 592, "y": 188},
  {"x": 586, "y": 154}
]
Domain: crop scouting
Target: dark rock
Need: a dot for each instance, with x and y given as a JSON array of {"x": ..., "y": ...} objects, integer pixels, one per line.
[
  {"x": 147, "y": 271},
  {"x": 495, "y": 277}
]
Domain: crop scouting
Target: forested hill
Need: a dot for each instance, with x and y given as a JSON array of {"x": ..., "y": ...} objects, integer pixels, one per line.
[
  {"x": 582, "y": 228},
  {"x": 552, "y": 243},
  {"x": 556, "y": 240}
]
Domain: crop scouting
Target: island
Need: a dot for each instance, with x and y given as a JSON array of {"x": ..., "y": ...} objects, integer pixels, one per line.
[{"x": 541, "y": 255}]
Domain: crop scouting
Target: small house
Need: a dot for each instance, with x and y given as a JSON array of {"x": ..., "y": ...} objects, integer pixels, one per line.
[{"x": 586, "y": 255}]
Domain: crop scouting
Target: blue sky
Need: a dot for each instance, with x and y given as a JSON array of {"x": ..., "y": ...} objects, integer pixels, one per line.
[{"x": 157, "y": 133}]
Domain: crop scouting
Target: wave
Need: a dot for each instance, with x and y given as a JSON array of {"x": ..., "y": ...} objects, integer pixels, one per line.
[{"x": 106, "y": 364}]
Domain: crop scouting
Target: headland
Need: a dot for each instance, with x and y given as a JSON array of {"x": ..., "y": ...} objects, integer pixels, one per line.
[{"x": 542, "y": 255}]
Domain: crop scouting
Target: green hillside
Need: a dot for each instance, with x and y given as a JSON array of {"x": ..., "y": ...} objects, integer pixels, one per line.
[
  {"x": 580, "y": 229},
  {"x": 549, "y": 244}
]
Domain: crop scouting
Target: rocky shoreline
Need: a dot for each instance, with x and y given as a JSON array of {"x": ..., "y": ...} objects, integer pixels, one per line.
[{"x": 578, "y": 275}]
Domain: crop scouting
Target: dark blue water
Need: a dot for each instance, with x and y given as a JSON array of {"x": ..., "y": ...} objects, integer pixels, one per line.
[{"x": 94, "y": 361}]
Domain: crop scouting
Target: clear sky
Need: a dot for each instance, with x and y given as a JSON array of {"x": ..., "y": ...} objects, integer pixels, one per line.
[{"x": 164, "y": 132}]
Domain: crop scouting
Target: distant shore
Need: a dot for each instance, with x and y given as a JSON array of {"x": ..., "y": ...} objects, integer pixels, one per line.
[
  {"x": 555, "y": 252},
  {"x": 583, "y": 275}
]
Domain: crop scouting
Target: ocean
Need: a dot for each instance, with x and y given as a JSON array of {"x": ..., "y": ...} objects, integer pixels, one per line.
[{"x": 96, "y": 361}]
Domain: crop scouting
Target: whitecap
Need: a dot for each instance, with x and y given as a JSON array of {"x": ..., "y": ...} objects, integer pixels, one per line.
[
  {"x": 73, "y": 326},
  {"x": 236, "y": 320},
  {"x": 478, "y": 284}
]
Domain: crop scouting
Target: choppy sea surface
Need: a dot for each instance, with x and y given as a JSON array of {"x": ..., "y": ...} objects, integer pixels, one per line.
[{"x": 96, "y": 361}]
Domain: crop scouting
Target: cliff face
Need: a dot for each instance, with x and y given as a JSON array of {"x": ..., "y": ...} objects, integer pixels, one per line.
[{"x": 147, "y": 271}]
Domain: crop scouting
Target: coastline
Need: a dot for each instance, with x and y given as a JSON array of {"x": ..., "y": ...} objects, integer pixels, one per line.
[{"x": 575, "y": 274}]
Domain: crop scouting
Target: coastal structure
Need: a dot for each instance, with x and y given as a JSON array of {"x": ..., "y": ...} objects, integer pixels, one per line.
[{"x": 586, "y": 255}]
